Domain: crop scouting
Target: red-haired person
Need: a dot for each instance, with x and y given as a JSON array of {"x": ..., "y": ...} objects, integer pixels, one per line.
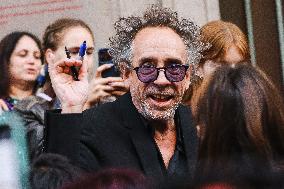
[{"x": 227, "y": 45}]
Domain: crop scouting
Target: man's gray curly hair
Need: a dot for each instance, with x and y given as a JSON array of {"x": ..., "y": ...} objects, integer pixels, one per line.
[{"x": 154, "y": 16}]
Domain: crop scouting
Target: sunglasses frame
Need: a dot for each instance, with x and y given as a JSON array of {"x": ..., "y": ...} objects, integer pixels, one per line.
[{"x": 186, "y": 66}]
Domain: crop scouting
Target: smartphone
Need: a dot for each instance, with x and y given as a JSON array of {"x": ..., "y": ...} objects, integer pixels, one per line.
[{"x": 105, "y": 58}]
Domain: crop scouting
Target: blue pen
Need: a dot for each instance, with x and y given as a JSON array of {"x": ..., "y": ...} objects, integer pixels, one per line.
[{"x": 82, "y": 50}]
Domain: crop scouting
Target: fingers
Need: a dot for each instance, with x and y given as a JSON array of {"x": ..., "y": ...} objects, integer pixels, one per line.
[
  {"x": 66, "y": 70},
  {"x": 64, "y": 67},
  {"x": 65, "y": 63},
  {"x": 120, "y": 85},
  {"x": 108, "y": 84},
  {"x": 3, "y": 106},
  {"x": 105, "y": 81},
  {"x": 99, "y": 89},
  {"x": 118, "y": 93},
  {"x": 83, "y": 72},
  {"x": 60, "y": 66},
  {"x": 102, "y": 68},
  {"x": 102, "y": 88},
  {"x": 94, "y": 98},
  {"x": 70, "y": 62}
]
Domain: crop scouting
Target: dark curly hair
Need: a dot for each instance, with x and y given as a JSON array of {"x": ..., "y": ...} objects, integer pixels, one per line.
[
  {"x": 7, "y": 46},
  {"x": 155, "y": 16}
]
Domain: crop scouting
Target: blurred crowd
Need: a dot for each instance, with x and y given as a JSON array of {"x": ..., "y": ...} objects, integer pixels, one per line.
[{"x": 187, "y": 110}]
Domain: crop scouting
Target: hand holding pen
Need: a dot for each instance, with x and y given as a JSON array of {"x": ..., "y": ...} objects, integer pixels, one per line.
[
  {"x": 71, "y": 92},
  {"x": 82, "y": 52}
]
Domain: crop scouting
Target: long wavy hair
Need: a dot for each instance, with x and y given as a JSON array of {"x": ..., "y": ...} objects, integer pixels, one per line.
[{"x": 240, "y": 114}]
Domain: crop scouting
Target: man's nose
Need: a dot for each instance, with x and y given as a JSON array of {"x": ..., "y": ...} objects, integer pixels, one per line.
[{"x": 161, "y": 79}]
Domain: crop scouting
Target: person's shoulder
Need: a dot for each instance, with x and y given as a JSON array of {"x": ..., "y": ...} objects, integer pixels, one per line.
[
  {"x": 108, "y": 115},
  {"x": 110, "y": 108},
  {"x": 28, "y": 103}
]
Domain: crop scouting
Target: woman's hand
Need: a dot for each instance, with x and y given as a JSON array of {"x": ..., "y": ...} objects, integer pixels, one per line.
[
  {"x": 104, "y": 87},
  {"x": 3, "y": 106}
]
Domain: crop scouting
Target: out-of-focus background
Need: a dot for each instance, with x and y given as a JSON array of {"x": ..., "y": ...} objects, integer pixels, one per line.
[{"x": 261, "y": 20}]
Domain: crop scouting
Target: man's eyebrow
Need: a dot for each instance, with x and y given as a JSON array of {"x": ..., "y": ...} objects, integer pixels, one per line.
[
  {"x": 147, "y": 59},
  {"x": 173, "y": 60}
]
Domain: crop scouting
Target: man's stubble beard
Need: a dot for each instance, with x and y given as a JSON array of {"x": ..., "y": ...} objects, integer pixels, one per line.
[{"x": 145, "y": 109}]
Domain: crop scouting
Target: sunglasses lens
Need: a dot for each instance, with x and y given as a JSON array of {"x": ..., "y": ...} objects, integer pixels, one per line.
[
  {"x": 147, "y": 75},
  {"x": 175, "y": 73}
]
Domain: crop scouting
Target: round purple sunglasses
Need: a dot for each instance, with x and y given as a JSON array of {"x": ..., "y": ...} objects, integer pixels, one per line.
[{"x": 149, "y": 73}]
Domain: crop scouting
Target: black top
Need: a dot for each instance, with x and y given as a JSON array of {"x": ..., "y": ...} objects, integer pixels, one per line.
[
  {"x": 177, "y": 164},
  {"x": 113, "y": 135}
]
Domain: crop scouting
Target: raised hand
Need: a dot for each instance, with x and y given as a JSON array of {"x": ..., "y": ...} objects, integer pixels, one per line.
[
  {"x": 72, "y": 94},
  {"x": 104, "y": 87}
]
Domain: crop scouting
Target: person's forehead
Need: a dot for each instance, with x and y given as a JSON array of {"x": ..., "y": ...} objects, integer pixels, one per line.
[
  {"x": 26, "y": 42},
  {"x": 158, "y": 37},
  {"x": 74, "y": 37},
  {"x": 153, "y": 41}
]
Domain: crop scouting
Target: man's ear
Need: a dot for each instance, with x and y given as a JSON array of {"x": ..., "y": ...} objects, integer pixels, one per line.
[
  {"x": 125, "y": 72},
  {"x": 188, "y": 75},
  {"x": 49, "y": 56}
]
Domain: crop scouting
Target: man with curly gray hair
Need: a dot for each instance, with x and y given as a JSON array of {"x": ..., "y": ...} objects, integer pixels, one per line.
[
  {"x": 127, "y": 28},
  {"x": 146, "y": 129}
]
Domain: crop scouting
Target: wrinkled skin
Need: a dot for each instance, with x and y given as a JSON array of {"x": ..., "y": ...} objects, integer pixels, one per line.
[{"x": 159, "y": 99}]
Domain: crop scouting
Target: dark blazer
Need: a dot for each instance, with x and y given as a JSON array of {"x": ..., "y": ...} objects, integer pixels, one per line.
[{"x": 113, "y": 135}]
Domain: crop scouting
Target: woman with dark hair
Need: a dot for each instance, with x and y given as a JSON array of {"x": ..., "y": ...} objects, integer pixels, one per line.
[
  {"x": 241, "y": 118},
  {"x": 20, "y": 62}
]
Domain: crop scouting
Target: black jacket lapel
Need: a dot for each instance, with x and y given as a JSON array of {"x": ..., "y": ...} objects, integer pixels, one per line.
[
  {"x": 190, "y": 138},
  {"x": 141, "y": 138}
]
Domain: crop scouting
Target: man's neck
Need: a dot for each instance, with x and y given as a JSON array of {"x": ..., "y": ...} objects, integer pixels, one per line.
[
  {"x": 163, "y": 126},
  {"x": 165, "y": 137}
]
